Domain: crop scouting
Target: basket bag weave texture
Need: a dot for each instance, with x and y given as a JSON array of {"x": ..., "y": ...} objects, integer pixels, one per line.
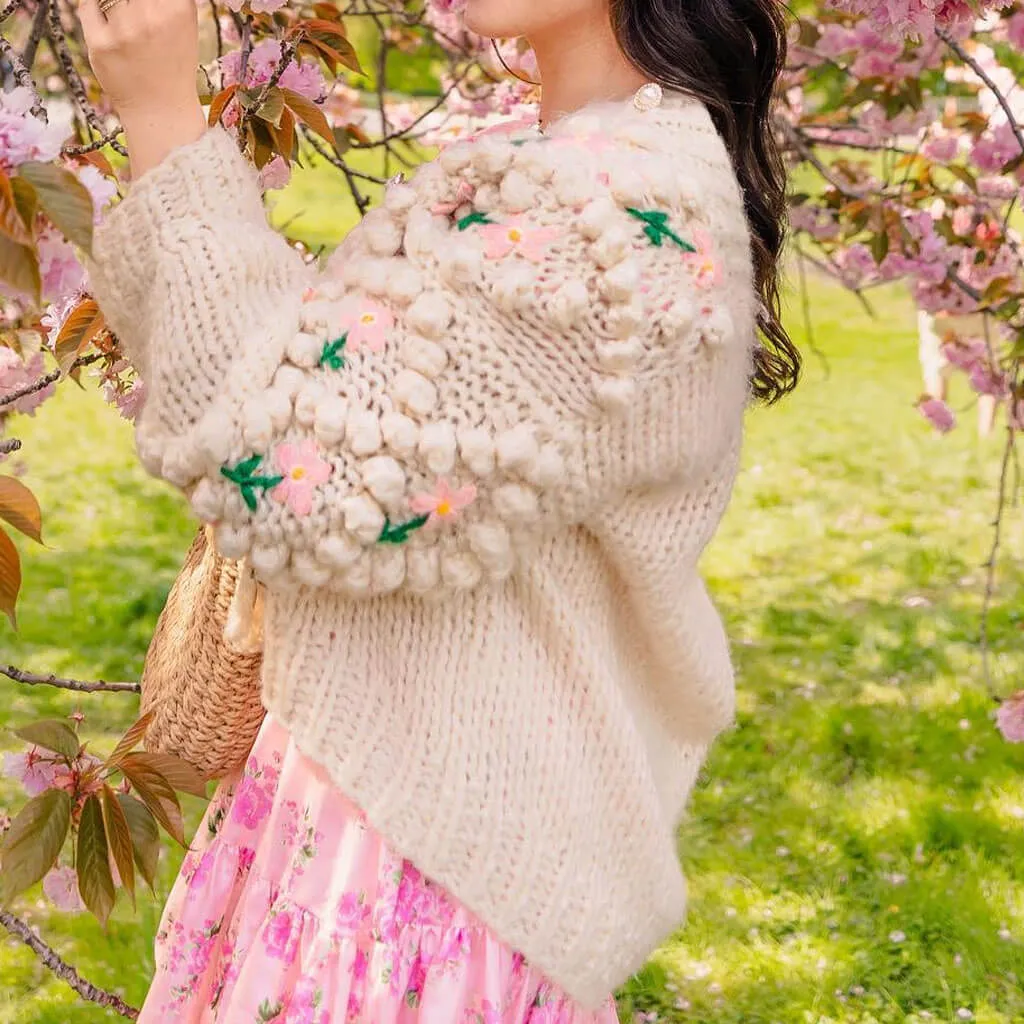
[{"x": 201, "y": 677}]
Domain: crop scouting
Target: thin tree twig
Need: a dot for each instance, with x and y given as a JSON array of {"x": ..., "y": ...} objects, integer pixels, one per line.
[
  {"x": 101, "y": 686},
  {"x": 993, "y": 558},
  {"x": 362, "y": 201},
  {"x": 91, "y": 147},
  {"x": 63, "y": 970},
  {"x": 216, "y": 24},
  {"x": 10, "y": 9},
  {"x": 1018, "y": 132},
  {"x": 35, "y": 35},
  {"x": 44, "y": 382}
]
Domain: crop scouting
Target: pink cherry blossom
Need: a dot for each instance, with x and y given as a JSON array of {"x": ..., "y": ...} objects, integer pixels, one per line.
[
  {"x": 35, "y": 769},
  {"x": 100, "y": 187},
  {"x": 23, "y": 136},
  {"x": 17, "y": 373},
  {"x": 303, "y": 77},
  {"x": 365, "y": 322},
  {"x": 59, "y": 266},
  {"x": 276, "y": 174},
  {"x": 513, "y": 235},
  {"x": 1010, "y": 718},
  {"x": 706, "y": 269},
  {"x": 938, "y": 414},
  {"x": 304, "y": 470},
  {"x": 61, "y": 889},
  {"x": 444, "y": 503}
]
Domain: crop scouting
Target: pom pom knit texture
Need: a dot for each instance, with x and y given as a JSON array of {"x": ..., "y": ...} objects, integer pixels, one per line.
[{"x": 475, "y": 462}]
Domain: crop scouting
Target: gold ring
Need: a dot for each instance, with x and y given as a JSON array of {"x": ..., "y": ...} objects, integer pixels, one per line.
[{"x": 107, "y": 5}]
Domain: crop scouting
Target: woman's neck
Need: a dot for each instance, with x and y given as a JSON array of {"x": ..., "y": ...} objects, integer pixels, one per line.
[{"x": 581, "y": 64}]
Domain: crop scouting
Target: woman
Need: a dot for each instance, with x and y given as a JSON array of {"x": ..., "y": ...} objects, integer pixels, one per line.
[{"x": 475, "y": 465}]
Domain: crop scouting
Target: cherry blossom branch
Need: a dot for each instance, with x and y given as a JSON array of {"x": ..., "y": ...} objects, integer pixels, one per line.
[
  {"x": 63, "y": 970},
  {"x": 23, "y": 76},
  {"x": 91, "y": 147},
  {"x": 30, "y": 679},
  {"x": 10, "y": 9},
  {"x": 987, "y": 79},
  {"x": 45, "y": 382},
  {"x": 993, "y": 557},
  {"x": 35, "y": 35},
  {"x": 362, "y": 201}
]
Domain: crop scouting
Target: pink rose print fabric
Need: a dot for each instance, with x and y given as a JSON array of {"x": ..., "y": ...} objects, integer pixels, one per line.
[{"x": 291, "y": 909}]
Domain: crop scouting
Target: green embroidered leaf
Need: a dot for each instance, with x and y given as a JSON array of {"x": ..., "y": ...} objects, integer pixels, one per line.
[
  {"x": 657, "y": 229},
  {"x": 474, "y": 218},
  {"x": 242, "y": 475},
  {"x": 269, "y": 1011},
  {"x": 332, "y": 354},
  {"x": 398, "y": 533}
]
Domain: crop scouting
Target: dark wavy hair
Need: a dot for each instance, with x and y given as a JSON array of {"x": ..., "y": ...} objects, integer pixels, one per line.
[{"x": 729, "y": 54}]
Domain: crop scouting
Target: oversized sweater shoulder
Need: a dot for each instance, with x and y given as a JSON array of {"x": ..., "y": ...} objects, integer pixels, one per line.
[{"x": 475, "y": 461}]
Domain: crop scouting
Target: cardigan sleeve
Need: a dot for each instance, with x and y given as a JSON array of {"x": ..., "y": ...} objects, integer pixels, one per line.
[{"x": 516, "y": 339}]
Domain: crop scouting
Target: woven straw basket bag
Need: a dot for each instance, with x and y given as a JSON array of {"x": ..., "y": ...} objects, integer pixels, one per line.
[{"x": 201, "y": 677}]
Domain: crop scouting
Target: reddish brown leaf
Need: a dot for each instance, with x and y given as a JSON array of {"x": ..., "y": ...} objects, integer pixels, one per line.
[
  {"x": 119, "y": 836},
  {"x": 10, "y": 578},
  {"x": 99, "y": 161},
  {"x": 83, "y": 324},
  {"x": 11, "y": 223},
  {"x": 131, "y": 739},
  {"x": 309, "y": 113},
  {"x": 220, "y": 101},
  {"x": 19, "y": 507}
]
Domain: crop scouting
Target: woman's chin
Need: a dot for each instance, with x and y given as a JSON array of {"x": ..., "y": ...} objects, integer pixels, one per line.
[{"x": 492, "y": 19}]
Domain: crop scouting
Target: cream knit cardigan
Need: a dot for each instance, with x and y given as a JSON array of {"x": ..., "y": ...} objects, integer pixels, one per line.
[{"x": 475, "y": 463}]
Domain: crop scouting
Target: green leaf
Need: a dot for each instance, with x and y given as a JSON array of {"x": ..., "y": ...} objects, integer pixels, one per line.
[
  {"x": 399, "y": 534},
  {"x": 273, "y": 108},
  {"x": 33, "y": 842},
  {"x": 473, "y": 218},
  {"x": 19, "y": 507},
  {"x": 27, "y": 200},
  {"x": 156, "y": 793},
  {"x": 145, "y": 836},
  {"x": 131, "y": 739},
  {"x": 52, "y": 734},
  {"x": 19, "y": 267},
  {"x": 119, "y": 835},
  {"x": 331, "y": 356},
  {"x": 95, "y": 882},
  {"x": 64, "y": 199},
  {"x": 179, "y": 774},
  {"x": 10, "y": 578}
]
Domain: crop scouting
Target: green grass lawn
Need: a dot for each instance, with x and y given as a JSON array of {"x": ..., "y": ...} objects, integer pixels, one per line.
[{"x": 856, "y": 848}]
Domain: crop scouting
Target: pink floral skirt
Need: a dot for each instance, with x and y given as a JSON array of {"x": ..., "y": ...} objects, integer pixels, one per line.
[{"x": 290, "y": 908}]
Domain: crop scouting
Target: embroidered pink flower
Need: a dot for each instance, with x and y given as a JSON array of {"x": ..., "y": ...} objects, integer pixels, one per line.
[
  {"x": 465, "y": 194},
  {"x": 61, "y": 889},
  {"x": 515, "y": 236},
  {"x": 444, "y": 503},
  {"x": 1010, "y": 718},
  {"x": 707, "y": 270},
  {"x": 304, "y": 470},
  {"x": 365, "y": 322}
]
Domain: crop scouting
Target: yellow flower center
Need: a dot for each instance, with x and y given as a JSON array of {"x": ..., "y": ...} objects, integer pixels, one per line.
[
  {"x": 299, "y": 473},
  {"x": 444, "y": 509},
  {"x": 368, "y": 318},
  {"x": 515, "y": 235}
]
